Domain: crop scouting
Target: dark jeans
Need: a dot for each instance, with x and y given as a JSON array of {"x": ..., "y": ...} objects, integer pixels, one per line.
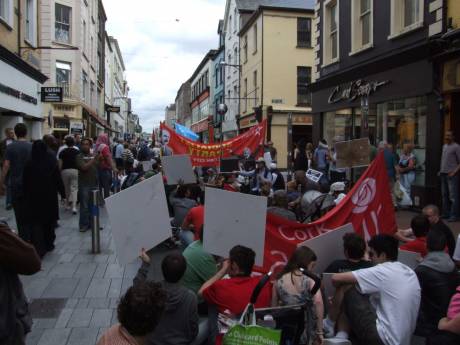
[
  {"x": 20, "y": 212},
  {"x": 105, "y": 182},
  {"x": 362, "y": 317},
  {"x": 8, "y": 197},
  {"x": 84, "y": 195},
  {"x": 450, "y": 196}
]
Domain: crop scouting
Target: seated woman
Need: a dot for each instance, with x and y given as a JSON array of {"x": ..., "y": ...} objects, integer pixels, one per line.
[
  {"x": 293, "y": 288},
  {"x": 449, "y": 326}
]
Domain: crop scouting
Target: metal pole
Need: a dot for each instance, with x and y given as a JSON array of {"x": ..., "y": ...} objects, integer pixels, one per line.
[
  {"x": 95, "y": 230},
  {"x": 289, "y": 144}
]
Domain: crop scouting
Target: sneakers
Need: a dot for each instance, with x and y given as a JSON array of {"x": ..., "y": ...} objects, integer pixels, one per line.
[
  {"x": 84, "y": 229},
  {"x": 74, "y": 211},
  {"x": 328, "y": 326}
]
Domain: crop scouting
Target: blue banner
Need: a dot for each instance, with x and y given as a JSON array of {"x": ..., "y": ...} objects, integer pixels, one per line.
[{"x": 186, "y": 132}]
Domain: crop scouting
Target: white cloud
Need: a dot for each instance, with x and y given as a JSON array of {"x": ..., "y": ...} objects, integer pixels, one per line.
[{"x": 162, "y": 43}]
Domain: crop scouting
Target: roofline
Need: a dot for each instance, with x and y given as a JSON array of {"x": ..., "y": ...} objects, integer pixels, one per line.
[
  {"x": 120, "y": 56},
  {"x": 207, "y": 57},
  {"x": 261, "y": 9},
  {"x": 108, "y": 41}
]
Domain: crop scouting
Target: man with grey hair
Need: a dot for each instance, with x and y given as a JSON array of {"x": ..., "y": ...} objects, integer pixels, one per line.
[
  {"x": 279, "y": 206},
  {"x": 432, "y": 213},
  {"x": 450, "y": 166}
]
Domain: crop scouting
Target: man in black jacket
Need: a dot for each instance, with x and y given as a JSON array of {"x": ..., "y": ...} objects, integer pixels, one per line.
[{"x": 438, "y": 279}]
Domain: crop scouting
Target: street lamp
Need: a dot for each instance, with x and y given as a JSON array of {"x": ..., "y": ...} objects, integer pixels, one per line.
[{"x": 221, "y": 110}]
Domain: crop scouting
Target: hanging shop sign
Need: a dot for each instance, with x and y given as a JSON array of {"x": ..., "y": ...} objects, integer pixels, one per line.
[
  {"x": 112, "y": 109},
  {"x": 76, "y": 128},
  {"x": 51, "y": 94},
  {"x": 354, "y": 90}
]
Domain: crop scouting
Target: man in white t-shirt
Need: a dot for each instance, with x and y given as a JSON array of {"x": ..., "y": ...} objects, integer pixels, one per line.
[{"x": 382, "y": 309}]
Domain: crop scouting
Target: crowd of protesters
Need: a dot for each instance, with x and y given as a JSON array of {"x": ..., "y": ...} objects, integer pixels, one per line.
[{"x": 377, "y": 299}]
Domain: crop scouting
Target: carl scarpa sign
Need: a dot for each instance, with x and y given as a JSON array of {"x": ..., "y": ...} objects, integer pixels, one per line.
[{"x": 354, "y": 90}]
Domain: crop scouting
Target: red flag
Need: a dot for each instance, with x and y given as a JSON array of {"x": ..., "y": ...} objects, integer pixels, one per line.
[
  {"x": 209, "y": 154},
  {"x": 368, "y": 207}
]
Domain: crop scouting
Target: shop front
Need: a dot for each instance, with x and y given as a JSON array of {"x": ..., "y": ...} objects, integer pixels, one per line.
[
  {"x": 205, "y": 129},
  {"x": 397, "y": 106}
]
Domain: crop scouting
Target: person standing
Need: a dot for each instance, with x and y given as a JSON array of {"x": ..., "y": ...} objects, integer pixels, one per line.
[
  {"x": 406, "y": 167},
  {"x": 9, "y": 138},
  {"x": 16, "y": 156},
  {"x": 391, "y": 164},
  {"x": 87, "y": 166},
  {"x": 67, "y": 164},
  {"x": 118, "y": 154},
  {"x": 300, "y": 158},
  {"x": 270, "y": 148},
  {"x": 41, "y": 183},
  {"x": 450, "y": 166},
  {"x": 106, "y": 164}
]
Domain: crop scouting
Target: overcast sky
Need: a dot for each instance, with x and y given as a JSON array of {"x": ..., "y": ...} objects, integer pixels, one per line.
[{"x": 162, "y": 43}]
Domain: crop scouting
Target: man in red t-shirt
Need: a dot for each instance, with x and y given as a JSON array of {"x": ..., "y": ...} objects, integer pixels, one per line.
[
  {"x": 230, "y": 296},
  {"x": 420, "y": 226},
  {"x": 194, "y": 220}
]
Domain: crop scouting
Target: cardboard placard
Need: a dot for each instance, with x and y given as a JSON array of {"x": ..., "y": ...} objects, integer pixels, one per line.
[
  {"x": 178, "y": 167},
  {"x": 229, "y": 165},
  {"x": 328, "y": 247},
  {"x": 314, "y": 175},
  {"x": 139, "y": 218},
  {"x": 408, "y": 258},
  {"x": 353, "y": 153},
  {"x": 234, "y": 219},
  {"x": 146, "y": 165}
]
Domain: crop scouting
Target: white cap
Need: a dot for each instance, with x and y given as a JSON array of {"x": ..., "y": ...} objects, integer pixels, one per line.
[{"x": 338, "y": 187}]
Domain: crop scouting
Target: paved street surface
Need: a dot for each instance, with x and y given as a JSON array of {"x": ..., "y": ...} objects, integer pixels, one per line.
[{"x": 74, "y": 297}]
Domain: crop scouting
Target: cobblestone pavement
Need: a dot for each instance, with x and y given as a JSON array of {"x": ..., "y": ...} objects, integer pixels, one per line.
[{"x": 74, "y": 297}]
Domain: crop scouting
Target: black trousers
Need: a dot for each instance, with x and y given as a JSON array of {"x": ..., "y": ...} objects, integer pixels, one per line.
[{"x": 20, "y": 213}]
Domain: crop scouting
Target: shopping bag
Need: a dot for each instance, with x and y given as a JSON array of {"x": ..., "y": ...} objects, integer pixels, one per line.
[
  {"x": 397, "y": 190},
  {"x": 252, "y": 334}
]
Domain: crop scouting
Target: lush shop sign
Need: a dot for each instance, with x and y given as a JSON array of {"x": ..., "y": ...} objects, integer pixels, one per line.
[{"x": 354, "y": 90}]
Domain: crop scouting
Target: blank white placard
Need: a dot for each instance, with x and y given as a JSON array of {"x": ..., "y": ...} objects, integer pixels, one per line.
[
  {"x": 178, "y": 167},
  {"x": 232, "y": 219},
  {"x": 408, "y": 258},
  {"x": 139, "y": 218},
  {"x": 328, "y": 247}
]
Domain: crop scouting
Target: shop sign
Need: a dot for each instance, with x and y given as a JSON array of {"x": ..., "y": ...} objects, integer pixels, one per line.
[
  {"x": 60, "y": 123},
  {"x": 356, "y": 89},
  {"x": 200, "y": 126},
  {"x": 112, "y": 109},
  {"x": 51, "y": 94},
  {"x": 17, "y": 94},
  {"x": 76, "y": 128},
  {"x": 302, "y": 120}
]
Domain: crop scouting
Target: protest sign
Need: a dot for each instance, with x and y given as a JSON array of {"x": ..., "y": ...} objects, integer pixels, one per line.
[
  {"x": 408, "y": 258},
  {"x": 232, "y": 219},
  {"x": 139, "y": 218},
  {"x": 328, "y": 246},
  {"x": 314, "y": 175},
  {"x": 353, "y": 153},
  {"x": 146, "y": 165},
  {"x": 178, "y": 168}
]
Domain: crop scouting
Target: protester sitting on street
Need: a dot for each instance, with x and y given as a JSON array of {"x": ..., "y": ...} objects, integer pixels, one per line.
[
  {"x": 231, "y": 296},
  {"x": 133, "y": 175},
  {"x": 354, "y": 249},
  {"x": 260, "y": 175},
  {"x": 192, "y": 224},
  {"x": 87, "y": 165},
  {"x": 438, "y": 279},
  {"x": 432, "y": 213},
  {"x": 139, "y": 312},
  {"x": 292, "y": 192},
  {"x": 337, "y": 190},
  {"x": 449, "y": 326},
  {"x": 279, "y": 206},
  {"x": 456, "y": 256},
  {"x": 382, "y": 308},
  {"x": 69, "y": 172},
  {"x": 179, "y": 322},
  {"x": 420, "y": 227},
  {"x": 181, "y": 203},
  {"x": 127, "y": 153},
  {"x": 16, "y": 257},
  {"x": 293, "y": 288},
  {"x": 277, "y": 178}
]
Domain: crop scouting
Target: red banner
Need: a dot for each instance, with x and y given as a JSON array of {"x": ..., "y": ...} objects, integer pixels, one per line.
[
  {"x": 368, "y": 207},
  {"x": 209, "y": 154}
]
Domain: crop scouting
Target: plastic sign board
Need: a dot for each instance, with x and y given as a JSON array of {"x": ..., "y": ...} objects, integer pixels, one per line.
[
  {"x": 314, "y": 175},
  {"x": 232, "y": 219},
  {"x": 51, "y": 94},
  {"x": 178, "y": 168},
  {"x": 328, "y": 247},
  {"x": 139, "y": 218}
]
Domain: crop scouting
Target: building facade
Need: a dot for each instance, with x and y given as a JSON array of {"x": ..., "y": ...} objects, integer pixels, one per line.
[
  {"x": 183, "y": 101},
  {"x": 20, "y": 76},
  {"x": 217, "y": 83},
  {"x": 376, "y": 78},
  {"x": 170, "y": 115},
  {"x": 277, "y": 57}
]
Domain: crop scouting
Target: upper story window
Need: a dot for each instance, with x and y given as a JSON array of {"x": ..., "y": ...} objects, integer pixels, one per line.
[
  {"x": 6, "y": 11},
  {"x": 406, "y": 15},
  {"x": 235, "y": 20},
  {"x": 63, "y": 76},
  {"x": 62, "y": 26},
  {"x": 236, "y": 59},
  {"x": 230, "y": 23},
  {"x": 84, "y": 36},
  {"x": 303, "y": 81},
  {"x": 255, "y": 38},
  {"x": 245, "y": 49},
  {"x": 303, "y": 32},
  {"x": 362, "y": 24},
  {"x": 331, "y": 31},
  {"x": 31, "y": 22}
]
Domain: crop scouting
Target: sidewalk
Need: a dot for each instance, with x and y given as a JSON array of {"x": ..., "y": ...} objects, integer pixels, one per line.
[{"x": 74, "y": 297}]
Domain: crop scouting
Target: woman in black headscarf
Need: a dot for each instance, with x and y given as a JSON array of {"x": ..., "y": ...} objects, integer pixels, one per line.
[{"x": 42, "y": 182}]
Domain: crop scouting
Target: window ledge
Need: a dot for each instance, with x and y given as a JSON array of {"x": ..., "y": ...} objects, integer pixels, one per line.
[
  {"x": 6, "y": 24},
  {"x": 361, "y": 49},
  {"x": 63, "y": 44},
  {"x": 406, "y": 30},
  {"x": 304, "y": 47},
  {"x": 326, "y": 64}
]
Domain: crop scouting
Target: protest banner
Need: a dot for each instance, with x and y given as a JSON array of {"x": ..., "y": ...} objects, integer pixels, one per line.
[
  {"x": 139, "y": 218},
  {"x": 178, "y": 168},
  {"x": 247, "y": 144},
  {"x": 352, "y": 153},
  {"x": 228, "y": 222},
  {"x": 368, "y": 207}
]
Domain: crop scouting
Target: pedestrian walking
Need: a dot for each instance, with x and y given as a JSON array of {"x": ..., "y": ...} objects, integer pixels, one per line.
[
  {"x": 69, "y": 172},
  {"x": 16, "y": 156},
  {"x": 450, "y": 166},
  {"x": 106, "y": 165},
  {"x": 300, "y": 156},
  {"x": 9, "y": 138},
  {"x": 118, "y": 153},
  {"x": 87, "y": 165},
  {"x": 406, "y": 167},
  {"x": 42, "y": 182}
]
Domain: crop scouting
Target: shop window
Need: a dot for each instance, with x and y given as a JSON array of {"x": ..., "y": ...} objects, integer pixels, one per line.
[
  {"x": 63, "y": 77},
  {"x": 338, "y": 126},
  {"x": 62, "y": 26},
  {"x": 303, "y": 81},
  {"x": 362, "y": 24},
  {"x": 406, "y": 15},
  {"x": 304, "y": 32},
  {"x": 6, "y": 11},
  {"x": 331, "y": 32}
]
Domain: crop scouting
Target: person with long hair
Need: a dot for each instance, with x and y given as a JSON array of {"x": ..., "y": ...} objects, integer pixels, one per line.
[
  {"x": 42, "y": 181},
  {"x": 293, "y": 288}
]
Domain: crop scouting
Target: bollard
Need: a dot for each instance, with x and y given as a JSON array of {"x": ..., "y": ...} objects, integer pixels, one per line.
[{"x": 95, "y": 230}]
